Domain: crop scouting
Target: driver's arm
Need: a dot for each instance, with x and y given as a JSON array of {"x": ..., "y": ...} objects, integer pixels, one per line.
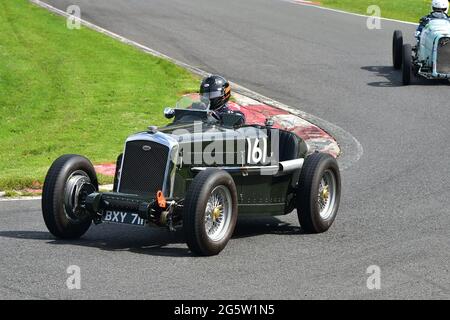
[{"x": 422, "y": 23}]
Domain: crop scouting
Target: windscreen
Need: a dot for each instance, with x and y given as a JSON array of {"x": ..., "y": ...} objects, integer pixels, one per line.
[{"x": 193, "y": 102}]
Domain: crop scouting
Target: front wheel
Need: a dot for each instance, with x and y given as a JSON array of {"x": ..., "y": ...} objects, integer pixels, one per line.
[
  {"x": 318, "y": 193},
  {"x": 407, "y": 64},
  {"x": 70, "y": 179},
  {"x": 210, "y": 212},
  {"x": 397, "y": 46}
]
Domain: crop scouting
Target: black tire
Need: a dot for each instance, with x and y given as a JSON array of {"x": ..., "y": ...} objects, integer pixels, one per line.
[
  {"x": 407, "y": 64},
  {"x": 397, "y": 47},
  {"x": 308, "y": 209},
  {"x": 194, "y": 213},
  {"x": 116, "y": 175},
  {"x": 58, "y": 222}
]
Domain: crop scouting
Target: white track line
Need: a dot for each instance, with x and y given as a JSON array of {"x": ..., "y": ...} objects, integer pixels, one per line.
[
  {"x": 350, "y": 13},
  {"x": 106, "y": 187},
  {"x": 20, "y": 199},
  {"x": 353, "y": 149}
]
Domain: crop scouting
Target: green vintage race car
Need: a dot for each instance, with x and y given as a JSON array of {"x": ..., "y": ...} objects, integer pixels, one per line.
[{"x": 197, "y": 174}]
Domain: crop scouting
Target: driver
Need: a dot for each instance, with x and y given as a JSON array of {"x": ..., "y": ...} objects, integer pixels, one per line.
[
  {"x": 439, "y": 11},
  {"x": 218, "y": 91}
]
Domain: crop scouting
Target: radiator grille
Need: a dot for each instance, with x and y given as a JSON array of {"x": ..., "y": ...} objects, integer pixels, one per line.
[
  {"x": 443, "y": 56},
  {"x": 143, "y": 169}
]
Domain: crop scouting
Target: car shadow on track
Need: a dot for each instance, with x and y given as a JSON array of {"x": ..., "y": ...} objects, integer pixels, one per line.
[
  {"x": 152, "y": 241},
  {"x": 110, "y": 237},
  {"x": 393, "y": 78},
  {"x": 251, "y": 227}
]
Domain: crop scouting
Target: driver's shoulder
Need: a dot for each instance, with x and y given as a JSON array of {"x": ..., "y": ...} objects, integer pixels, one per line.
[{"x": 427, "y": 17}]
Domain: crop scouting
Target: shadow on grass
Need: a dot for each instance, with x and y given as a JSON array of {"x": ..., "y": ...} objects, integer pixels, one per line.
[{"x": 153, "y": 241}]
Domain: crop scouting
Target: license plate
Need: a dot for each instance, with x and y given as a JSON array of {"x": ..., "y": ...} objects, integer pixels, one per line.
[{"x": 123, "y": 217}]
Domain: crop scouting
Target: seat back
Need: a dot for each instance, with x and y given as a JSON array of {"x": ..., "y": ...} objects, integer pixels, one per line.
[{"x": 289, "y": 146}]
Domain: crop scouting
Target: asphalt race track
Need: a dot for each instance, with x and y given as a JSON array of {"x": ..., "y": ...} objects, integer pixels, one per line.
[{"x": 394, "y": 211}]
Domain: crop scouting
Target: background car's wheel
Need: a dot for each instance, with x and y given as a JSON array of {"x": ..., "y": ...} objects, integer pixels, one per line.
[
  {"x": 210, "y": 212},
  {"x": 69, "y": 179},
  {"x": 318, "y": 193},
  {"x": 397, "y": 47},
  {"x": 407, "y": 64}
]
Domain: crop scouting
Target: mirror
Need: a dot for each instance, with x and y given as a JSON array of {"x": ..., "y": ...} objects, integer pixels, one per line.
[{"x": 169, "y": 113}]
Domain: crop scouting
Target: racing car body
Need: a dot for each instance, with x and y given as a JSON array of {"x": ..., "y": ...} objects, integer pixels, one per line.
[
  {"x": 430, "y": 58},
  {"x": 198, "y": 173}
]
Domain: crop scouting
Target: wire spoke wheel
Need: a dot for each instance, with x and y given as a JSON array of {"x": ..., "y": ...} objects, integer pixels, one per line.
[
  {"x": 327, "y": 194},
  {"x": 318, "y": 193},
  {"x": 218, "y": 213},
  {"x": 210, "y": 212}
]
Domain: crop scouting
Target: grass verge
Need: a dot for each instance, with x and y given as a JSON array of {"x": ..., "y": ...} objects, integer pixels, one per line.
[
  {"x": 72, "y": 91},
  {"x": 405, "y": 10}
]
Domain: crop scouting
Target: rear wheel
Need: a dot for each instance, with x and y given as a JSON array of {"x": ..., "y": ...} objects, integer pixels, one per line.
[
  {"x": 318, "y": 193},
  {"x": 69, "y": 179},
  {"x": 210, "y": 212},
  {"x": 407, "y": 64},
  {"x": 397, "y": 47}
]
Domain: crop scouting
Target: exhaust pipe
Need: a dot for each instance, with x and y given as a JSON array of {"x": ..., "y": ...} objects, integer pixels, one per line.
[{"x": 291, "y": 165}]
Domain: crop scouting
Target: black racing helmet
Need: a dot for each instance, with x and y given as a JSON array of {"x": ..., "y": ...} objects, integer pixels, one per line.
[{"x": 217, "y": 90}]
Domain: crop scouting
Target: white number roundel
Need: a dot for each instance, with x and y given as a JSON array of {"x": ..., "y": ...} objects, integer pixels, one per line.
[{"x": 256, "y": 152}]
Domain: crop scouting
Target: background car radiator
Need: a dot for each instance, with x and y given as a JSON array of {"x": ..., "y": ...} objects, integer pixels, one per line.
[{"x": 443, "y": 56}]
